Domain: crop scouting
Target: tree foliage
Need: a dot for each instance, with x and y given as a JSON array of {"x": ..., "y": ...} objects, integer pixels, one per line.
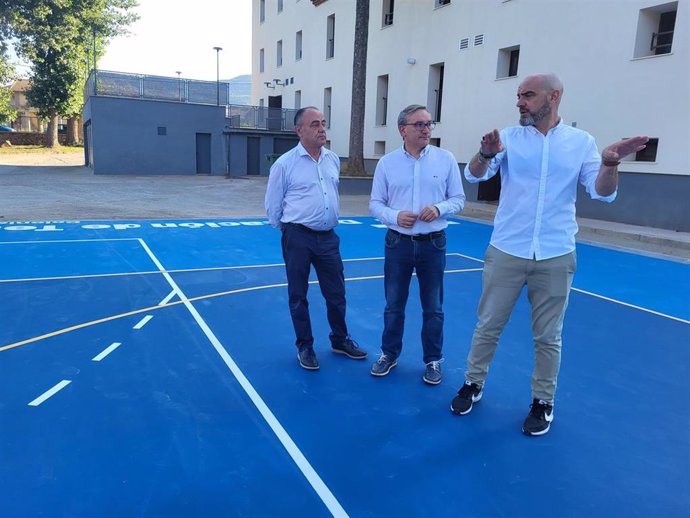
[
  {"x": 54, "y": 36},
  {"x": 7, "y": 75}
]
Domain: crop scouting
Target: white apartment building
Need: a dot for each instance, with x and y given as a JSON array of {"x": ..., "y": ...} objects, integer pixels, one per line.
[{"x": 625, "y": 65}]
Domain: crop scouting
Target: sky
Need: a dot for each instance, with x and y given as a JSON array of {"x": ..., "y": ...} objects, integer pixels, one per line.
[{"x": 177, "y": 35}]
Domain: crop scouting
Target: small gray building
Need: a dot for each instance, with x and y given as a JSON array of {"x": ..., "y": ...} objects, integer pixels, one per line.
[{"x": 150, "y": 125}]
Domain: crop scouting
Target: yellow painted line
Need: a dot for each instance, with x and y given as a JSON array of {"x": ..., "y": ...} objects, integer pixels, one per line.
[{"x": 170, "y": 304}]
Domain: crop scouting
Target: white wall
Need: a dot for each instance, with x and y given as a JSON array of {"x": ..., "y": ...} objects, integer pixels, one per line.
[{"x": 590, "y": 44}]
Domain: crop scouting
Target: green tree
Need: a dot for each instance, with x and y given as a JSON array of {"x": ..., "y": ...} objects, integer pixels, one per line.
[
  {"x": 7, "y": 75},
  {"x": 53, "y": 36}
]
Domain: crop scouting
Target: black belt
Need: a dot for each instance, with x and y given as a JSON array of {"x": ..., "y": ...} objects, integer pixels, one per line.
[
  {"x": 420, "y": 237},
  {"x": 310, "y": 230}
]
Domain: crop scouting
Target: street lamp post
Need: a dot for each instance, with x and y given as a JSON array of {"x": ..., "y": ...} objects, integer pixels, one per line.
[
  {"x": 179, "y": 86},
  {"x": 218, "y": 49}
]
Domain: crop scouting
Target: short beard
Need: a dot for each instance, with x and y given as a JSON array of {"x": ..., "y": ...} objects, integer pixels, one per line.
[{"x": 532, "y": 118}]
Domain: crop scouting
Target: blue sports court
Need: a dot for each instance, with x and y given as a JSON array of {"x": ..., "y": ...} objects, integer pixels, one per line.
[{"x": 147, "y": 369}]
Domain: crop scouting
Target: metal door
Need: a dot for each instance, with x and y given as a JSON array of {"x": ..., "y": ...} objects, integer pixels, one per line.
[
  {"x": 203, "y": 153},
  {"x": 253, "y": 158}
]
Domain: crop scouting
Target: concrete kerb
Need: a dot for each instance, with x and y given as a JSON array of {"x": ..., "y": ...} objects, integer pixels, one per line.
[{"x": 58, "y": 187}]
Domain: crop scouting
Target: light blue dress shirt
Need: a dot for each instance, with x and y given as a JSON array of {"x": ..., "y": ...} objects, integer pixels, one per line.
[
  {"x": 539, "y": 175},
  {"x": 303, "y": 190},
  {"x": 402, "y": 182}
]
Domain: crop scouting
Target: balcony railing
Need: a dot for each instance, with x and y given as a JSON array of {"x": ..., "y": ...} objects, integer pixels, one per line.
[
  {"x": 259, "y": 117},
  {"x": 137, "y": 86}
]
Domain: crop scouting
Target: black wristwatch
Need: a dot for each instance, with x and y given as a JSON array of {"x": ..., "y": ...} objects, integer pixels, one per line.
[{"x": 487, "y": 156}]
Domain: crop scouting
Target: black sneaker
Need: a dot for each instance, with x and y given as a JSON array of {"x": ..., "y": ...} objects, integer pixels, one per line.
[
  {"x": 539, "y": 419},
  {"x": 307, "y": 359},
  {"x": 468, "y": 394},
  {"x": 349, "y": 348},
  {"x": 383, "y": 365}
]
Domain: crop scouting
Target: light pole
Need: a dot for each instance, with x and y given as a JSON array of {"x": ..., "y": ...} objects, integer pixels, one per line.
[
  {"x": 179, "y": 86},
  {"x": 218, "y": 49}
]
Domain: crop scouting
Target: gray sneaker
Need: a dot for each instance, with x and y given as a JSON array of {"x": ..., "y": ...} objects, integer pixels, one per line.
[
  {"x": 307, "y": 359},
  {"x": 432, "y": 373},
  {"x": 383, "y": 365}
]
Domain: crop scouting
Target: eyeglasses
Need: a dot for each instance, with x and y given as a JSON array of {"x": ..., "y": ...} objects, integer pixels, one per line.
[{"x": 421, "y": 125}]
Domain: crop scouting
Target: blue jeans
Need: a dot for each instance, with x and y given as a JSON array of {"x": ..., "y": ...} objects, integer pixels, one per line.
[
  {"x": 301, "y": 249},
  {"x": 428, "y": 260}
]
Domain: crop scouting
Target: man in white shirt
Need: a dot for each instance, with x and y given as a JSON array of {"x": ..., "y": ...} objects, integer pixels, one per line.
[
  {"x": 302, "y": 202},
  {"x": 533, "y": 241},
  {"x": 415, "y": 189}
]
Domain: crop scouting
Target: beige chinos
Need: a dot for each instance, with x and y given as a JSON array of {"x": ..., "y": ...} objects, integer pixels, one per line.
[{"x": 548, "y": 286}]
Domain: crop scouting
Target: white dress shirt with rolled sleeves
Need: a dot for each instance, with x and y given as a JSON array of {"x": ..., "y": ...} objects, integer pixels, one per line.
[
  {"x": 535, "y": 218},
  {"x": 402, "y": 182},
  {"x": 303, "y": 190}
]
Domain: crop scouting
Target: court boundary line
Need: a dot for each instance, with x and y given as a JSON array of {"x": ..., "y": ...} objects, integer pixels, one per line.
[{"x": 290, "y": 446}]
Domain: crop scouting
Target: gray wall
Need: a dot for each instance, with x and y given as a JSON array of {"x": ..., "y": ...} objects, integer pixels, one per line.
[
  {"x": 125, "y": 139},
  {"x": 270, "y": 143},
  {"x": 648, "y": 200}
]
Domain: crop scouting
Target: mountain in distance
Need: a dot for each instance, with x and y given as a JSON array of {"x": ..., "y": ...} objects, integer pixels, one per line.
[{"x": 240, "y": 89}]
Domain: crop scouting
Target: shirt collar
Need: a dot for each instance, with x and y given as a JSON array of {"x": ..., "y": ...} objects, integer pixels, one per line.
[
  {"x": 303, "y": 152},
  {"x": 556, "y": 128},
  {"x": 423, "y": 152}
]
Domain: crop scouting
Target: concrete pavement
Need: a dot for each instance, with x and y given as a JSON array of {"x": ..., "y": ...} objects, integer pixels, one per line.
[{"x": 56, "y": 187}]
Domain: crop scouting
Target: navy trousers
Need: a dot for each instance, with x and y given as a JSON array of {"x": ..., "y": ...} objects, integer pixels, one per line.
[{"x": 302, "y": 248}]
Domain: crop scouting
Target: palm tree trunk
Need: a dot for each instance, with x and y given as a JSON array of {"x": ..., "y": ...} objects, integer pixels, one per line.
[{"x": 355, "y": 162}]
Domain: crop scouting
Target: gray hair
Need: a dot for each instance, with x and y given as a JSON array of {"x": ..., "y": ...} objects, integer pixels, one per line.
[
  {"x": 402, "y": 118},
  {"x": 300, "y": 113}
]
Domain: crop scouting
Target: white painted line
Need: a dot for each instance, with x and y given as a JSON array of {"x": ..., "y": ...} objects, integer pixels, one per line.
[
  {"x": 168, "y": 298},
  {"x": 298, "y": 457},
  {"x": 51, "y": 392},
  {"x": 670, "y": 317},
  {"x": 143, "y": 322},
  {"x": 106, "y": 351}
]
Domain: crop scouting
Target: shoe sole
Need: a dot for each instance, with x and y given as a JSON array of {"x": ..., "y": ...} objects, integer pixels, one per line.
[
  {"x": 537, "y": 434},
  {"x": 392, "y": 365},
  {"x": 474, "y": 400},
  {"x": 309, "y": 368},
  {"x": 338, "y": 351},
  {"x": 430, "y": 382}
]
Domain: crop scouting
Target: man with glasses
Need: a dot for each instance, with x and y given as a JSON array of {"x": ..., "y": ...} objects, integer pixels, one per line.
[
  {"x": 415, "y": 189},
  {"x": 533, "y": 241},
  {"x": 302, "y": 201}
]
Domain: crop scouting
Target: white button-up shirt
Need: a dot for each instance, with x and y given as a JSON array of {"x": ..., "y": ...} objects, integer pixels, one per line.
[
  {"x": 402, "y": 182},
  {"x": 303, "y": 190},
  {"x": 539, "y": 175}
]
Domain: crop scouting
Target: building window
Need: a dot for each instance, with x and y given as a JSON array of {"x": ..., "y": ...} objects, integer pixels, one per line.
[
  {"x": 382, "y": 100},
  {"x": 648, "y": 154},
  {"x": 261, "y": 60},
  {"x": 330, "y": 37},
  {"x": 298, "y": 46},
  {"x": 327, "y": 94},
  {"x": 441, "y": 3},
  {"x": 262, "y": 11},
  {"x": 655, "y": 28},
  {"x": 280, "y": 6},
  {"x": 507, "y": 65},
  {"x": 387, "y": 12},
  {"x": 298, "y": 99},
  {"x": 279, "y": 53},
  {"x": 380, "y": 147},
  {"x": 435, "y": 95}
]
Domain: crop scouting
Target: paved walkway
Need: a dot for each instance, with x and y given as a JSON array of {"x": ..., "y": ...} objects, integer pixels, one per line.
[{"x": 56, "y": 187}]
